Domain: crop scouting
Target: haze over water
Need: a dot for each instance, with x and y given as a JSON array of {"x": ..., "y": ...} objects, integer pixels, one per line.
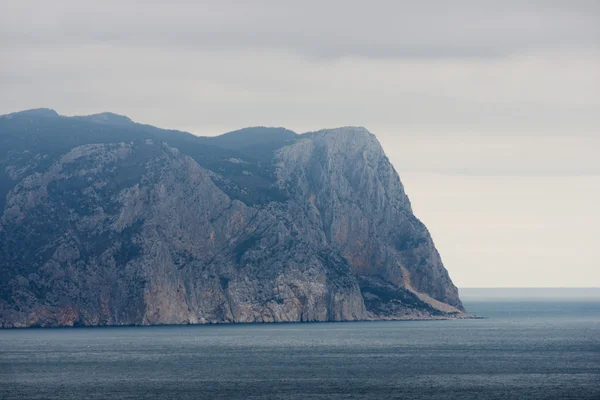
[{"x": 527, "y": 348}]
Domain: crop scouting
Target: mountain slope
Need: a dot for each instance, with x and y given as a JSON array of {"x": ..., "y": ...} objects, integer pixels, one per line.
[{"x": 108, "y": 222}]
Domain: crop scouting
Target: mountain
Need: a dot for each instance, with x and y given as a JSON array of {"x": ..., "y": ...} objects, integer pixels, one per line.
[{"x": 105, "y": 221}]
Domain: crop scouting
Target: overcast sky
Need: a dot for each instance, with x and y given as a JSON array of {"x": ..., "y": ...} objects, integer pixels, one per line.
[{"x": 489, "y": 110}]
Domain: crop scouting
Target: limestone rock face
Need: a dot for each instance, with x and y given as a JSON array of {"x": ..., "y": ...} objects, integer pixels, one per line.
[
  {"x": 360, "y": 203},
  {"x": 162, "y": 227}
]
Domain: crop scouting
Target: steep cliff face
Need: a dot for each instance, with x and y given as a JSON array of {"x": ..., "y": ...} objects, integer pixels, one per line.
[
  {"x": 166, "y": 228},
  {"x": 364, "y": 212}
]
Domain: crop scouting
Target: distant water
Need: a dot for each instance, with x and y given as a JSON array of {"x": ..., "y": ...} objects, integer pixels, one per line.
[{"x": 528, "y": 348}]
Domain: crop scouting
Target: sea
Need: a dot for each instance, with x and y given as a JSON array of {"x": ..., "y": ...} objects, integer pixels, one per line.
[{"x": 532, "y": 344}]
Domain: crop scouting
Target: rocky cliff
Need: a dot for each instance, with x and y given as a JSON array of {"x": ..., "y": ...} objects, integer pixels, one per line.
[{"x": 108, "y": 222}]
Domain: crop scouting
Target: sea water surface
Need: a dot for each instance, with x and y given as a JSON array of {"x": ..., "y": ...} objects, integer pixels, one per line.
[{"x": 527, "y": 348}]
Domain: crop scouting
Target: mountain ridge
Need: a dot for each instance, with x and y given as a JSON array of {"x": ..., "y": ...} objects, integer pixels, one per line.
[{"x": 123, "y": 223}]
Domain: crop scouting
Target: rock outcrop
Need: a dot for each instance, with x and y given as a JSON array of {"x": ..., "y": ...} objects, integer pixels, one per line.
[{"x": 162, "y": 227}]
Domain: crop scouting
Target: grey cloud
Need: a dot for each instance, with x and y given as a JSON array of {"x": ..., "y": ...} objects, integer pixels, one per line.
[
  {"x": 315, "y": 29},
  {"x": 483, "y": 72}
]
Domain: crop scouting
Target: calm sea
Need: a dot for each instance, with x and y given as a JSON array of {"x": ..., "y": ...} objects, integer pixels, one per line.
[{"x": 536, "y": 347}]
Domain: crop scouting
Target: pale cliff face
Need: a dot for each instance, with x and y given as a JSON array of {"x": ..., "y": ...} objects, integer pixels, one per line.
[
  {"x": 363, "y": 210},
  {"x": 315, "y": 227}
]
